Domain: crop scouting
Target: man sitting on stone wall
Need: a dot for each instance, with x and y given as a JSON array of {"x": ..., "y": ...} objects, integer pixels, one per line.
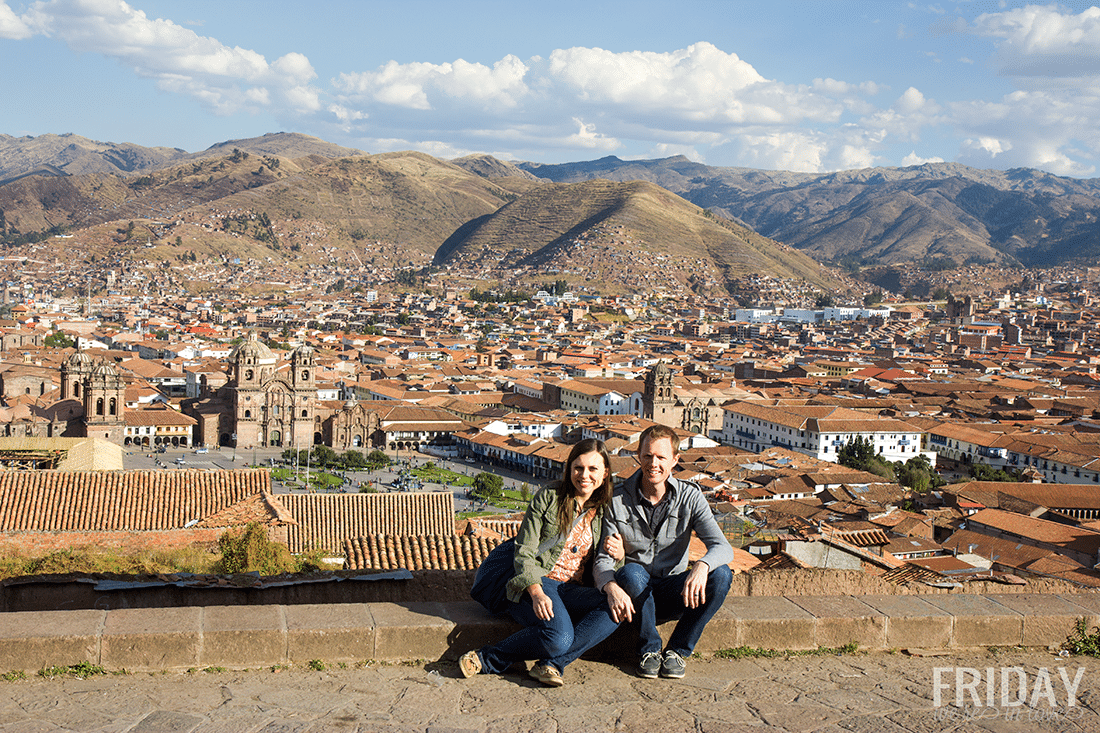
[{"x": 653, "y": 515}]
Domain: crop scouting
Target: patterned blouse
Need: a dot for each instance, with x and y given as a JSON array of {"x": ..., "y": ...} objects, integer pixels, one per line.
[{"x": 578, "y": 546}]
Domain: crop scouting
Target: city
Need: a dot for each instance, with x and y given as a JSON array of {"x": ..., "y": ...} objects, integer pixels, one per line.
[{"x": 979, "y": 412}]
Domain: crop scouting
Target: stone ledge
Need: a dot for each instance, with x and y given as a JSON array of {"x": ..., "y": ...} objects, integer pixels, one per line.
[{"x": 257, "y": 636}]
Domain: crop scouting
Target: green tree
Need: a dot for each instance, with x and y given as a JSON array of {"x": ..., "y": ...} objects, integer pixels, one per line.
[
  {"x": 873, "y": 298},
  {"x": 353, "y": 459},
  {"x": 378, "y": 458},
  {"x": 859, "y": 454},
  {"x": 323, "y": 455},
  {"x": 856, "y": 453},
  {"x": 982, "y": 472},
  {"x": 58, "y": 340},
  {"x": 917, "y": 474},
  {"x": 488, "y": 486}
]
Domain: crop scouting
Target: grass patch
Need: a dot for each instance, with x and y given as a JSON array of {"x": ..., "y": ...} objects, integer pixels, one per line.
[
  {"x": 316, "y": 665},
  {"x": 436, "y": 475},
  {"x": 192, "y": 559},
  {"x": 749, "y": 652},
  {"x": 14, "y": 676},
  {"x": 81, "y": 671},
  {"x": 241, "y": 550},
  {"x": 1083, "y": 640}
]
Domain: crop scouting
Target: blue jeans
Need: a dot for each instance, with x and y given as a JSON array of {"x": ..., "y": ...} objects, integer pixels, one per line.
[
  {"x": 659, "y": 599},
  {"x": 581, "y": 621}
]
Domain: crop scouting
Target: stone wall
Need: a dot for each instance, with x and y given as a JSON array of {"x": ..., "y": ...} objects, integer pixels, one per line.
[{"x": 45, "y": 593}]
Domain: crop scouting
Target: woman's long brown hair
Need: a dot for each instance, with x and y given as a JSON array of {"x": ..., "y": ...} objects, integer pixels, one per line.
[{"x": 565, "y": 489}]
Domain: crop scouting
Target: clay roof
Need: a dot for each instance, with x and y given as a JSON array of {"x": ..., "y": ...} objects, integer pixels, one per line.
[
  {"x": 326, "y": 521},
  {"x": 99, "y": 501},
  {"x": 262, "y": 508},
  {"x": 1039, "y": 530},
  {"x": 435, "y": 552}
]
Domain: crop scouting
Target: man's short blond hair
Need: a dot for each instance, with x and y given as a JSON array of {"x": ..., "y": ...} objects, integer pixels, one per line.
[{"x": 656, "y": 432}]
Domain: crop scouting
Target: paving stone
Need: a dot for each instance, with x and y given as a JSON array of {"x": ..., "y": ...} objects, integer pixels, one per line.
[
  {"x": 641, "y": 717},
  {"x": 1047, "y": 619},
  {"x": 243, "y": 636},
  {"x": 771, "y": 623},
  {"x": 798, "y": 717},
  {"x": 868, "y": 724},
  {"x": 32, "y": 640},
  {"x": 151, "y": 639},
  {"x": 911, "y": 622},
  {"x": 841, "y": 620},
  {"x": 166, "y": 721},
  {"x": 979, "y": 621},
  {"x": 474, "y": 628},
  {"x": 332, "y": 632},
  {"x": 411, "y": 630}
]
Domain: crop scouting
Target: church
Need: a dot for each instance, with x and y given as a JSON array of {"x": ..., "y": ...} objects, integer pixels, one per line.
[
  {"x": 273, "y": 403},
  {"x": 696, "y": 408}
]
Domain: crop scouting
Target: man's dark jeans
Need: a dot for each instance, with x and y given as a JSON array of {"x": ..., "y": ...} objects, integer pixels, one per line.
[{"x": 659, "y": 599}]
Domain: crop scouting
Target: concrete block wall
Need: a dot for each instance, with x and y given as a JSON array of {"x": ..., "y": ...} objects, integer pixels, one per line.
[{"x": 257, "y": 636}]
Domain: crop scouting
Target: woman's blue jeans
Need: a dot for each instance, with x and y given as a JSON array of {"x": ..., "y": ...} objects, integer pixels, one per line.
[
  {"x": 659, "y": 599},
  {"x": 581, "y": 621}
]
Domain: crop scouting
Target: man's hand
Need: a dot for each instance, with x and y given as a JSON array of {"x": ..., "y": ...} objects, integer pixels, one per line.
[
  {"x": 613, "y": 546},
  {"x": 695, "y": 587},
  {"x": 618, "y": 600},
  {"x": 540, "y": 602}
]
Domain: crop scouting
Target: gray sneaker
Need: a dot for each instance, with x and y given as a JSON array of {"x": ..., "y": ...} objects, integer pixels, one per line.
[
  {"x": 650, "y": 665},
  {"x": 673, "y": 666}
]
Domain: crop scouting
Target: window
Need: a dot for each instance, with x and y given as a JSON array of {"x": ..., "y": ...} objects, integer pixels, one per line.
[
  {"x": 99, "y": 406},
  {"x": 113, "y": 406},
  {"x": 248, "y": 413}
]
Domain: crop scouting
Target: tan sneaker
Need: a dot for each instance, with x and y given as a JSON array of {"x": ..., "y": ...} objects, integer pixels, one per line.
[
  {"x": 547, "y": 674},
  {"x": 469, "y": 664}
]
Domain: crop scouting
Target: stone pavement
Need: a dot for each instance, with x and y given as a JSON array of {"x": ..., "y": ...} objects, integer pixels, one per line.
[{"x": 875, "y": 692}]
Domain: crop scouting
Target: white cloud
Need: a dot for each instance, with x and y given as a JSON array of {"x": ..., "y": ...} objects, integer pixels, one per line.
[
  {"x": 414, "y": 85},
  {"x": 587, "y": 137},
  {"x": 914, "y": 159},
  {"x": 223, "y": 78},
  {"x": 701, "y": 101},
  {"x": 1044, "y": 41},
  {"x": 1053, "y": 131},
  {"x": 11, "y": 25}
]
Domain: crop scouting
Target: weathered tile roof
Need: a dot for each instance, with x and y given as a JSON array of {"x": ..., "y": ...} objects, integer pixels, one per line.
[
  {"x": 93, "y": 501},
  {"x": 422, "y": 552},
  {"x": 326, "y": 521}
]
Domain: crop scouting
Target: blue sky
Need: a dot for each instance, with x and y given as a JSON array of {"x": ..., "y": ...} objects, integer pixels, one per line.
[{"x": 807, "y": 85}]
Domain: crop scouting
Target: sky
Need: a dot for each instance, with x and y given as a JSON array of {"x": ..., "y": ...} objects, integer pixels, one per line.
[{"x": 801, "y": 85}]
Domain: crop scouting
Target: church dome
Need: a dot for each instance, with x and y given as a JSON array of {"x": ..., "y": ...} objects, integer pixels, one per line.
[
  {"x": 104, "y": 369},
  {"x": 252, "y": 347},
  {"x": 78, "y": 359}
]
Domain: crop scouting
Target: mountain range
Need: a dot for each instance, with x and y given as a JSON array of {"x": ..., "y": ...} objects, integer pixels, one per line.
[
  {"x": 591, "y": 221},
  {"x": 885, "y": 215}
]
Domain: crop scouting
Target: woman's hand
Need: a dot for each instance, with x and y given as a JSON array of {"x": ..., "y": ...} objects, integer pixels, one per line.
[
  {"x": 540, "y": 602},
  {"x": 613, "y": 546}
]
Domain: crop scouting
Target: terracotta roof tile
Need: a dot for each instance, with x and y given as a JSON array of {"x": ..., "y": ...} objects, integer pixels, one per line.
[
  {"x": 326, "y": 521},
  {"x": 93, "y": 501}
]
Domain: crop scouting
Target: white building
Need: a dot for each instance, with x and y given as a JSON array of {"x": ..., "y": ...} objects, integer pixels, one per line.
[{"x": 817, "y": 430}]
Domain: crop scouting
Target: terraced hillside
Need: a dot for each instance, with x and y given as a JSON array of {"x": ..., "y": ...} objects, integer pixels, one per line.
[{"x": 612, "y": 232}]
